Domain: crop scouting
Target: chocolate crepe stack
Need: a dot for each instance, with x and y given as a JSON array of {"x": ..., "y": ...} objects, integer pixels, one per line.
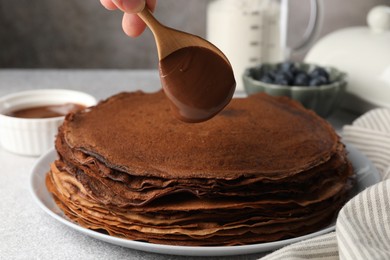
[{"x": 264, "y": 169}]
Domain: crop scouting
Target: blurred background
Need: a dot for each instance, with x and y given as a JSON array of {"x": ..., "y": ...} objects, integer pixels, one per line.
[{"x": 82, "y": 34}]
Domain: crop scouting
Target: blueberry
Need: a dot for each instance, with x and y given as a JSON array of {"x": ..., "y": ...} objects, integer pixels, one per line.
[
  {"x": 319, "y": 72},
  {"x": 298, "y": 71},
  {"x": 318, "y": 81},
  {"x": 282, "y": 79},
  {"x": 256, "y": 74},
  {"x": 287, "y": 66},
  {"x": 272, "y": 74},
  {"x": 267, "y": 79},
  {"x": 301, "y": 79},
  {"x": 289, "y": 76}
]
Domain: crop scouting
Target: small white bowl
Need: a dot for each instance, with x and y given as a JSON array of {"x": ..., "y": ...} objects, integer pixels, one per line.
[{"x": 33, "y": 137}]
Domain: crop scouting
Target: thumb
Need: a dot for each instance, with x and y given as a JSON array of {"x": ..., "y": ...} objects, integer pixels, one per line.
[{"x": 130, "y": 6}]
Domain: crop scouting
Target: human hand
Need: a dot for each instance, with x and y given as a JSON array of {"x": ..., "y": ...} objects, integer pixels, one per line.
[{"x": 131, "y": 23}]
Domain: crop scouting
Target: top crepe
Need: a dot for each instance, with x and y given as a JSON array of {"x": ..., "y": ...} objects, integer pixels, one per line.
[{"x": 262, "y": 136}]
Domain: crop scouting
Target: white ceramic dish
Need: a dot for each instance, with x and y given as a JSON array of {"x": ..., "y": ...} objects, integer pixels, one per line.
[
  {"x": 366, "y": 173},
  {"x": 363, "y": 52},
  {"x": 33, "y": 137}
]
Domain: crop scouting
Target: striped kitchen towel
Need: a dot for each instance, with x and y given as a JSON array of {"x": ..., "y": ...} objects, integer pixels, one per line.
[{"x": 363, "y": 224}]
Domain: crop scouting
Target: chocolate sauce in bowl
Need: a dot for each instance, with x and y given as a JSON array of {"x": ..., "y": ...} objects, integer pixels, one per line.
[
  {"x": 45, "y": 111},
  {"x": 198, "y": 82}
]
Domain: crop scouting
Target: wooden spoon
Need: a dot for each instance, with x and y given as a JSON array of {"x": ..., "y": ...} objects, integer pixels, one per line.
[
  {"x": 169, "y": 40},
  {"x": 196, "y": 76}
]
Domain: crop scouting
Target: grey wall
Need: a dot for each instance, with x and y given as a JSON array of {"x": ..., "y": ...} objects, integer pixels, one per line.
[{"x": 82, "y": 34}]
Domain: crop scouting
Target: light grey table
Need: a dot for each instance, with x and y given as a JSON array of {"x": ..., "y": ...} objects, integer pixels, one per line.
[{"x": 26, "y": 232}]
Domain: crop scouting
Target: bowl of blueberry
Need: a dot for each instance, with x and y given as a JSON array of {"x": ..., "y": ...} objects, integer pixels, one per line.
[{"x": 315, "y": 87}]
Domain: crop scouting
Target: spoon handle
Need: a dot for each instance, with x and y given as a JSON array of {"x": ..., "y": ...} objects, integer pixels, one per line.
[
  {"x": 169, "y": 40},
  {"x": 160, "y": 32},
  {"x": 153, "y": 24}
]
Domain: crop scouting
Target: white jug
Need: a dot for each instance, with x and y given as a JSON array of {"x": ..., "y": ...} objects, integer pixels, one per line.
[{"x": 250, "y": 32}]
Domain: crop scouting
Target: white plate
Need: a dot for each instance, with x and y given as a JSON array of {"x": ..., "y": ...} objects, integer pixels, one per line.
[{"x": 367, "y": 175}]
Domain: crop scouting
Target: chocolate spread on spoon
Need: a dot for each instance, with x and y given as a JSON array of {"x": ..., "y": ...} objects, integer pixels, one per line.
[{"x": 198, "y": 82}]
